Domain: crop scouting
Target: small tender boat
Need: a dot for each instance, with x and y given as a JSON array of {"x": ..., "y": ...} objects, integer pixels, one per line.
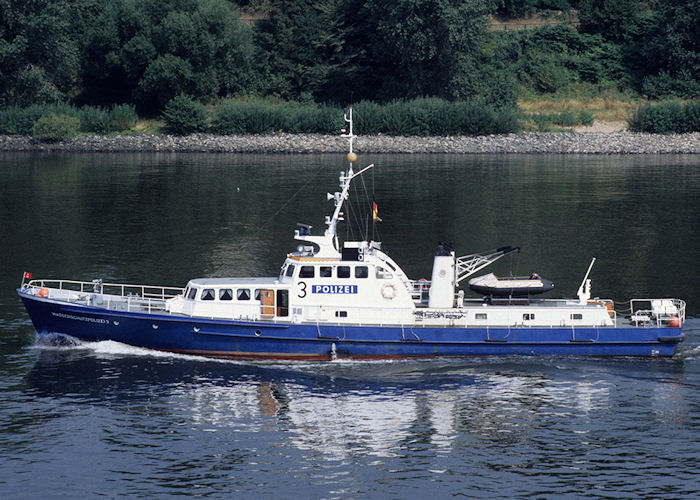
[
  {"x": 336, "y": 299},
  {"x": 492, "y": 285}
]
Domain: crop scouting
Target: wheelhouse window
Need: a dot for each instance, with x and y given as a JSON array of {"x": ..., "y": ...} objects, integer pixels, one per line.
[
  {"x": 192, "y": 293},
  {"x": 306, "y": 272},
  {"x": 343, "y": 271},
  {"x": 225, "y": 294},
  {"x": 243, "y": 294},
  {"x": 257, "y": 293},
  {"x": 208, "y": 294},
  {"x": 383, "y": 274},
  {"x": 325, "y": 271},
  {"x": 290, "y": 270},
  {"x": 361, "y": 272}
]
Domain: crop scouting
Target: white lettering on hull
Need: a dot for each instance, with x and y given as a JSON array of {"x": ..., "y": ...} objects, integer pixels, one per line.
[
  {"x": 334, "y": 289},
  {"x": 80, "y": 318}
]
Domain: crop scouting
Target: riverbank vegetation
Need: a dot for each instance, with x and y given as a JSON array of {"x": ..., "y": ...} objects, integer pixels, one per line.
[
  {"x": 410, "y": 67},
  {"x": 666, "y": 117}
]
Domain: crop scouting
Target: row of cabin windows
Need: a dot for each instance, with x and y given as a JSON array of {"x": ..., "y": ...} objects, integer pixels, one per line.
[
  {"x": 526, "y": 316},
  {"x": 360, "y": 272},
  {"x": 223, "y": 294}
]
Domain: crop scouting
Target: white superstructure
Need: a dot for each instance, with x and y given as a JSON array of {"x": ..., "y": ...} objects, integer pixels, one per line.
[{"x": 357, "y": 283}]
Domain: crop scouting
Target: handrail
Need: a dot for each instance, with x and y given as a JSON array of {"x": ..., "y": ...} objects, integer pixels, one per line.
[
  {"x": 418, "y": 287},
  {"x": 151, "y": 295},
  {"x": 124, "y": 289},
  {"x": 658, "y": 310}
]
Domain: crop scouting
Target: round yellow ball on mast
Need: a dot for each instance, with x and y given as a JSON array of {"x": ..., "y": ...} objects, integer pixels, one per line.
[{"x": 352, "y": 157}]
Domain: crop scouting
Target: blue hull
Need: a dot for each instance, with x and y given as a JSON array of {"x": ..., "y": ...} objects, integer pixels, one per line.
[{"x": 250, "y": 340}]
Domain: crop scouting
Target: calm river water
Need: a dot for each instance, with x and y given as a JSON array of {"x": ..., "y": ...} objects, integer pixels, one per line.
[{"x": 109, "y": 420}]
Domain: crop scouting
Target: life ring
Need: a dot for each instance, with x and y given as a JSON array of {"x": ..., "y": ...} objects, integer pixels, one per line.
[
  {"x": 388, "y": 291},
  {"x": 424, "y": 283},
  {"x": 43, "y": 292}
]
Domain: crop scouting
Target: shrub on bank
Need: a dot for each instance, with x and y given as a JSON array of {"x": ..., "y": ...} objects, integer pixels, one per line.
[
  {"x": 417, "y": 117},
  {"x": 544, "y": 121},
  {"x": 234, "y": 116},
  {"x": 183, "y": 116},
  {"x": 666, "y": 118},
  {"x": 123, "y": 117},
  {"x": 9, "y": 120},
  {"x": 16, "y": 120},
  {"x": 95, "y": 120},
  {"x": 244, "y": 117},
  {"x": 55, "y": 127},
  {"x": 311, "y": 118},
  {"x": 433, "y": 116}
]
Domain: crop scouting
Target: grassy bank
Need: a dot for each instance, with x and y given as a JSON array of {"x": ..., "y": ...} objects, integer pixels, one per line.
[
  {"x": 416, "y": 117},
  {"x": 604, "y": 107}
]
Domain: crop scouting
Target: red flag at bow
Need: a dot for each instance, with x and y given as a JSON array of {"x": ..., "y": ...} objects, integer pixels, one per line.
[
  {"x": 27, "y": 276},
  {"x": 375, "y": 211}
]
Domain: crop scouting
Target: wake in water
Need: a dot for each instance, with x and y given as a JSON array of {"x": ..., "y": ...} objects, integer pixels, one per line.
[
  {"x": 109, "y": 348},
  {"x": 688, "y": 353},
  {"x": 690, "y": 349}
]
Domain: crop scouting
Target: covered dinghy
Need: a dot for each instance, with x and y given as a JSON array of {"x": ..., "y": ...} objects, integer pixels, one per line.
[{"x": 490, "y": 284}]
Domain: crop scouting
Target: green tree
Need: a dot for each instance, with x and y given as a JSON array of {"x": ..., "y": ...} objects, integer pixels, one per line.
[
  {"x": 511, "y": 9},
  {"x": 552, "y": 57},
  {"x": 149, "y": 51},
  {"x": 296, "y": 45},
  {"x": 615, "y": 20},
  {"x": 40, "y": 49},
  {"x": 407, "y": 48},
  {"x": 670, "y": 50}
]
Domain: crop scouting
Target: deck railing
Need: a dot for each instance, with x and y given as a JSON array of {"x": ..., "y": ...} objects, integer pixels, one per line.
[
  {"x": 420, "y": 289},
  {"x": 130, "y": 297},
  {"x": 118, "y": 289},
  {"x": 662, "y": 312}
]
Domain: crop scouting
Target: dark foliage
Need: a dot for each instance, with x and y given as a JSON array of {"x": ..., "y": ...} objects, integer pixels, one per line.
[
  {"x": 260, "y": 116},
  {"x": 184, "y": 115},
  {"x": 148, "y": 52},
  {"x": 666, "y": 117},
  {"x": 548, "y": 59},
  {"x": 432, "y": 116},
  {"x": 41, "y": 50},
  {"x": 55, "y": 127}
]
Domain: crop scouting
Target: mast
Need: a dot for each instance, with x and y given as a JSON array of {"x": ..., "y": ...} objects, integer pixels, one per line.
[
  {"x": 345, "y": 179},
  {"x": 328, "y": 243}
]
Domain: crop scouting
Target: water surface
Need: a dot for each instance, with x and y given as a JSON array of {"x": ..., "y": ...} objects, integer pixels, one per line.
[{"x": 106, "y": 419}]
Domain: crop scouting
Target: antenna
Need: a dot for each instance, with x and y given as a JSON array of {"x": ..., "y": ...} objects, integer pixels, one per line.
[
  {"x": 347, "y": 116},
  {"x": 328, "y": 244}
]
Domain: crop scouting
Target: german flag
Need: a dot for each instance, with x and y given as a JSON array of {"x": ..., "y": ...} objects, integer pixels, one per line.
[{"x": 375, "y": 211}]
